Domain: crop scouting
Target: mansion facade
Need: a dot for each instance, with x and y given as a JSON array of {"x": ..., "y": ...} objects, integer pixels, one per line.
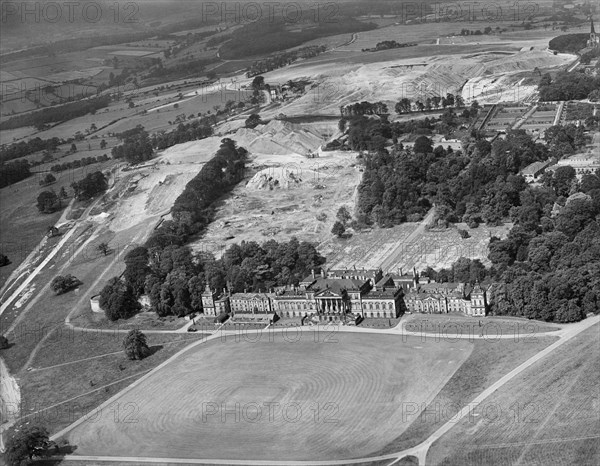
[
  {"x": 441, "y": 298},
  {"x": 341, "y": 295}
]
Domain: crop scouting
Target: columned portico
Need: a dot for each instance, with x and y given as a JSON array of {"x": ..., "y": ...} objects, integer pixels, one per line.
[{"x": 330, "y": 305}]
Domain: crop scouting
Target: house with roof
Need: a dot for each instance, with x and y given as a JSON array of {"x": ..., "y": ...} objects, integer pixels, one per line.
[
  {"x": 214, "y": 303},
  {"x": 338, "y": 294},
  {"x": 441, "y": 298},
  {"x": 532, "y": 171}
]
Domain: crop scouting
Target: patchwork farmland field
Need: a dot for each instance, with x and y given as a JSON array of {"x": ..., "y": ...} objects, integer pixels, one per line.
[
  {"x": 336, "y": 399},
  {"x": 548, "y": 416}
]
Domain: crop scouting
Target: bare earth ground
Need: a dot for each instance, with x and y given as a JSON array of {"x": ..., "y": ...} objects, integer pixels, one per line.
[
  {"x": 347, "y": 77},
  {"x": 400, "y": 248},
  {"x": 364, "y": 390},
  {"x": 259, "y": 214},
  {"x": 548, "y": 416}
]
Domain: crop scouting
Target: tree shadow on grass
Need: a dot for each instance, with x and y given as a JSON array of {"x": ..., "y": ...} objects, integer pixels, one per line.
[
  {"x": 154, "y": 349},
  {"x": 56, "y": 456}
]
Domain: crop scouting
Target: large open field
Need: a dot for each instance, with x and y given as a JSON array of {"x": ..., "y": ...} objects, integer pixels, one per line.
[
  {"x": 547, "y": 416},
  {"x": 338, "y": 398}
]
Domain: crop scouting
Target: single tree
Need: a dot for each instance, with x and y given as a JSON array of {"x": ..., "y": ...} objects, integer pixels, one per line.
[
  {"x": 343, "y": 215},
  {"x": 25, "y": 442},
  {"x": 338, "y": 229},
  {"x": 3, "y": 342},
  {"x": 73, "y": 147},
  {"x": 62, "y": 284},
  {"x": 258, "y": 82},
  {"x": 48, "y": 202},
  {"x": 48, "y": 179},
  {"x": 118, "y": 301},
  {"x": 135, "y": 345},
  {"x": 103, "y": 144},
  {"x": 253, "y": 121},
  {"x": 4, "y": 260},
  {"x": 103, "y": 248},
  {"x": 63, "y": 193},
  {"x": 423, "y": 145}
]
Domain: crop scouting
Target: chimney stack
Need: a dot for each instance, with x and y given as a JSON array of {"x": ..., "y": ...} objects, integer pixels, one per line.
[
  {"x": 322, "y": 273},
  {"x": 313, "y": 273}
]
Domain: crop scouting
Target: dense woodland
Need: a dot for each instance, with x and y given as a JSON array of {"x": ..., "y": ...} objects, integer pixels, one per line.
[
  {"x": 283, "y": 59},
  {"x": 23, "y": 148},
  {"x": 138, "y": 146},
  {"x": 174, "y": 278},
  {"x": 272, "y": 35},
  {"x": 57, "y": 113},
  {"x": 569, "y": 43},
  {"x": 192, "y": 212},
  {"x": 568, "y": 86},
  {"x": 549, "y": 266},
  {"x": 13, "y": 172},
  {"x": 480, "y": 185},
  {"x": 93, "y": 184}
]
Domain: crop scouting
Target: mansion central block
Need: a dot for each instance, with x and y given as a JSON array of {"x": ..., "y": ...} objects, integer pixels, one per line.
[{"x": 337, "y": 295}]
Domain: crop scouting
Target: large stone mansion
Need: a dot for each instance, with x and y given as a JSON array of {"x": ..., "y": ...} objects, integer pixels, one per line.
[{"x": 341, "y": 295}]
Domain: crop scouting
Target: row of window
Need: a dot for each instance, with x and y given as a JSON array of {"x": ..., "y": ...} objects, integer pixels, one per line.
[
  {"x": 367, "y": 314},
  {"x": 305, "y": 306}
]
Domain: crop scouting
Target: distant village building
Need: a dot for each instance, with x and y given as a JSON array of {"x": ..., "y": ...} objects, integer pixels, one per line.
[
  {"x": 533, "y": 171},
  {"x": 582, "y": 163},
  {"x": 594, "y": 40}
]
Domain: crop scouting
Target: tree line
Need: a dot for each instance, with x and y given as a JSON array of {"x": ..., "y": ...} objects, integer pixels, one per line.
[
  {"x": 569, "y": 43},
  {"x": 65, "y": 112},
  {"x": 363, "y": 108},
  {"x": 282, "y": 59},
  {"x": 192, "y": 211},
  {"x": 273, "y": 34},
  {"x": 569, "y": 86},
  {"x": 79, "y": 163},
  {"x": 23, "y": 148},
  {"x": 405, "y": 105},
  {"x": 138, "y": 146},
  {"x": 388, "y": 44},
  {"x": 13, "y": 172}
]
